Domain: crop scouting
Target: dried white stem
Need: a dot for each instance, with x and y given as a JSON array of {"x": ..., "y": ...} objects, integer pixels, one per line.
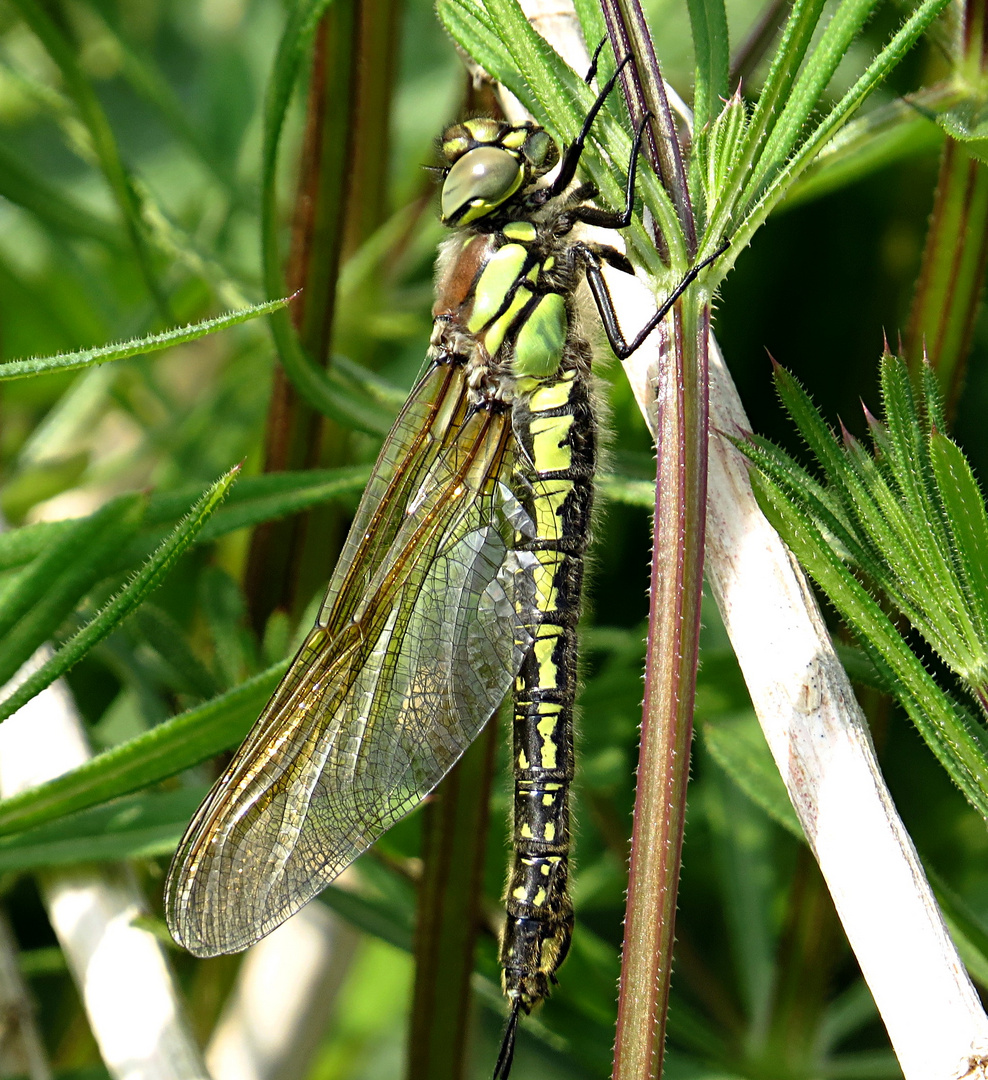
[
  {"x": 285, "y": 993},
  {"x": 821, "y": 744},
  {"x": 121, "y": 970}
]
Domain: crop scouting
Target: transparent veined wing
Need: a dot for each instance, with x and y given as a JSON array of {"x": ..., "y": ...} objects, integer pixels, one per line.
[{"x": 427, "y": 620}]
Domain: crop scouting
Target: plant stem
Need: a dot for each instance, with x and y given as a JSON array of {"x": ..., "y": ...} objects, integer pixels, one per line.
[{"x": 670, "y": 685}]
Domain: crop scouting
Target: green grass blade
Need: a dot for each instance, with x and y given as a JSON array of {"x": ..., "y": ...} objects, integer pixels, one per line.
[
  {"x": 47, "y": 592},
  {"x": 177, "y": 744},
  {"x": 72, "y": 361},
  {"x": 140, "y": 827},
  {"x": 147, "y": 579},
  {"x": 711, "y": 46},
  {"x": 947, "y": 729}
]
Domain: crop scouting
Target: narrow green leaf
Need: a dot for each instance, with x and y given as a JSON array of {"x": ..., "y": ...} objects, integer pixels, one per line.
[
  {"x": 139, "y": 827},
  {"x": 711, "y": 47},
  {"x": 907, "y": 36},
  {"x": 475, "y": 32},
  {"x": 796, "y": 37},
  {"x": 935, "y": 411},
  {"x": 255, "y": 499},
  {"x": 70, "y": 549},
  {"x": 277, "y": 495},
  {"x": 376, "y": 917},
  {"x": 27, "y": 189},
  {"x": 178, "y": 744},
  {"x": 804, "y": 95},
  {"x": 964, "y": 506},
  {"x": 947, "y": 729},
  {"x": 884, "y": 136},
  {"x": 72, "y": 361},
  {"x": 966, "y": 926},
  {"x": 147, "y": 579},
  {"x": 19, "y": 546},
  {"x": 47, "y": 591},
  {"x": 293, "y": 51},
  {"x": 725, "y": 145},
  {"x": 904, "y": 427},
  {"x": 797, "y": 484}
]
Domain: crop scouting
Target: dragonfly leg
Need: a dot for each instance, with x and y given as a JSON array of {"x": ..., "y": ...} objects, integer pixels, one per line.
[
  {"x": 571, "y": 155},
  {"x": 623, "y": 348}
]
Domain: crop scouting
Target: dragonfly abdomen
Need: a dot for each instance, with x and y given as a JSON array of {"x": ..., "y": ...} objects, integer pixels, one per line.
[{"x": 555, "y": 424}]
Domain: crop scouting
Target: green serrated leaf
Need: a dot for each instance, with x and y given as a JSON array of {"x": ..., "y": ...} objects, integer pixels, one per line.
[
  {"x": 186, "y": 740},
  {"x": 48, "y": 590},
  {"x": 948, "y": 730},
  {"x": 964, "y": 508},
  {"x": 711, "y": 45},
  {"x": 967, "y": 122},
  {"x": 72, "y": 361},
  {"x": 725, "y": 145},
  {"x": 146, "y": 580},
  {"x": 139, "y": 827}
]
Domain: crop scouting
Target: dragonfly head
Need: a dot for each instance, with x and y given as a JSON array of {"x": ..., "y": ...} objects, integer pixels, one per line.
[{"x": 490, "y": 161}]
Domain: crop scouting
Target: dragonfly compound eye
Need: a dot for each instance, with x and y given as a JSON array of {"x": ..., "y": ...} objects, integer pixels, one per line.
[{"x": 478, "y": 183}]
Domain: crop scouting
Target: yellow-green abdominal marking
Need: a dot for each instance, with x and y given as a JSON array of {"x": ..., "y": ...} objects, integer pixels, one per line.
[{"x": 556, "y": 425}]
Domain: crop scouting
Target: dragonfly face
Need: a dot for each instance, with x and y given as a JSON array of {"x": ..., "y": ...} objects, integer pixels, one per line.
[{"x": 459, "y": 581}]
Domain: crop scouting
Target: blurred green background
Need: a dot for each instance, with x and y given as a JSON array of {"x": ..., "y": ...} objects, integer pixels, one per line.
[{"x": 764, "y": 984}]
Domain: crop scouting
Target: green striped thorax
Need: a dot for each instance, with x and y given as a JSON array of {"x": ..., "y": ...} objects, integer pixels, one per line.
[{"x": 502, "y": 285}]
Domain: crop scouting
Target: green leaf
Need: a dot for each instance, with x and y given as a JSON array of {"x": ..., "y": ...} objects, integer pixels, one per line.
[
  {"x": 104, "y": 143},
  {"x": 186, "y": 740},
  {"x": 964, "y": 506},
  {"x": 144, "y": 582},
  {"x": 19, "y": 546},
  {"x": 168, "y": 640},
  {"x": 711, "y": 46},
  {"x": 72, "y": 361},
  {"x": 911, "y": 30},
  {"x": 803, "y": 97},
  {"x": 948, "y": 730},
  {"x": 725, "y": 145},
  {"x": 968, "y": 124},
  {"x": 277, "y": 495},
  {"x": 41, "y": 597},
  {"x": 139, "y": 827},
  {"x": 254, "y": 500}
]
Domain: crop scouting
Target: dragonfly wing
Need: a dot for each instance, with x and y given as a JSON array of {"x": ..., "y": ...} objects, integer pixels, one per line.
[{"x": 378, "y": 706}]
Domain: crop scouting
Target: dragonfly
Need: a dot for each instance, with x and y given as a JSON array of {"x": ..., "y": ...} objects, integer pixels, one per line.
[{"x": 459, "y": 582}]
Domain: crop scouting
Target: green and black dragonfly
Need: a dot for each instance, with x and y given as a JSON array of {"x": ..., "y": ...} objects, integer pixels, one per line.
[{"x": 460, "y": 581}]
